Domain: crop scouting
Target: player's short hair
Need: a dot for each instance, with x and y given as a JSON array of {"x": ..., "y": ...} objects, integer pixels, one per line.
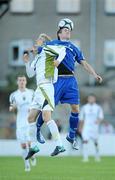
[
  {"x": 21, "y": 75},
  {"x": 92, "y": 94},
  {"x": 45, "y": 37}
]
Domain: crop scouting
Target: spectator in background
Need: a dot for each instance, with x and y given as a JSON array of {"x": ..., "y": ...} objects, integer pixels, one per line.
[
  {"x": 20, "y": 101},
  {"x": 91, "y": 115}
]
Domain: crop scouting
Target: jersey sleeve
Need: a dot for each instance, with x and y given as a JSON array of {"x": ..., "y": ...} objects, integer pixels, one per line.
[
  {"x": 39, "y": 50},
  {"x": 58, "y": 51},
  {"x": 79, "y": 55},
  {"x": 12, "y": 99},
  {"x": 31, "y": 67}
]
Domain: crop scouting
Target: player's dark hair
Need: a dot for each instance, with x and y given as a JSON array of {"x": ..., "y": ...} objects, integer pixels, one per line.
[{"x": 20, "y": 75}]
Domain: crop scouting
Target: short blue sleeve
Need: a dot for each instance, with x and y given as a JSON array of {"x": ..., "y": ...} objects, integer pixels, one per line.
[
  {"x": 40, "y": 49},
  {"x": 79, "y": 55}
]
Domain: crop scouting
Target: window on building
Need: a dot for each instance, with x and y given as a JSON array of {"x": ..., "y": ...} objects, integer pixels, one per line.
[
  {"x": 16, "y": 51},
  {"x": 68, "y": 6},
  {"x": 110, "y": 6},
  {"x": 22, "y": 6},
  {"x": 109, "y": 53}
]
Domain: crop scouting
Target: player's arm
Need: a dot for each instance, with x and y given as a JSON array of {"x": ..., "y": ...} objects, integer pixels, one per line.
[
  {"x": 81, "y": 124},
  {"x": 29, "y": 69},
  {"x": 12, "y": 107},
  {"x": 90, "y": 70},
  {"x": 100, "y": 116}
]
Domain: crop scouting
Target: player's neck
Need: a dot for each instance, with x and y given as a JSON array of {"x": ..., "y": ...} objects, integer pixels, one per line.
[
  {"x": 92, "y": 103},
  {"x": 22, "y": 89},
  {"x": 64, "y": 39}
]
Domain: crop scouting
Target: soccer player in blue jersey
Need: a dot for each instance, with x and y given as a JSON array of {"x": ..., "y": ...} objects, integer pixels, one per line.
[{"x": 66, "y": 88}]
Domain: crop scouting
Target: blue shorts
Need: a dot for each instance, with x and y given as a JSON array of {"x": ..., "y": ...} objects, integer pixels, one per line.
[{"x": 66, "y": 90}]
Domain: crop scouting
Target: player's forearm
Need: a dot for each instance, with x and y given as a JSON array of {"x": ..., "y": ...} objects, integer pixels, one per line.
[
  {"x": 89, "y": 68},
  {"x": 29, "y": 70}
]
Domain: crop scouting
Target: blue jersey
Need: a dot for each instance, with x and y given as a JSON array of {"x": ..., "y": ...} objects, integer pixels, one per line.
[
  {"x": 73, "y": 53},
  {"x": 66, "y": 88}
]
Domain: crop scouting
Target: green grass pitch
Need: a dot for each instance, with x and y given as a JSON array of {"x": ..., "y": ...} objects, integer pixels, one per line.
[{"x": 58, "y": 168}]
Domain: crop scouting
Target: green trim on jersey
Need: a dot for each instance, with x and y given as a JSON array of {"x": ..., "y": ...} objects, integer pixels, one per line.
[
  {"x": 46, "y": 97},
  {"x": 50, "y": 50},
  {"x": 49, "y": 66}
]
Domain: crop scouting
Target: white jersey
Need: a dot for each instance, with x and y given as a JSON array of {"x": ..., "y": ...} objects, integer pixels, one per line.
[
  {"x": 22, "y": 101},
  {"x": 90, "y": 113},
  {"x": 43, "y": 67}
]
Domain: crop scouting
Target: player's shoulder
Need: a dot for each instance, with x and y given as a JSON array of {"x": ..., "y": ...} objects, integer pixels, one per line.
[
  {"x": 98, "y": 106},
  {"x": 14, "y": 93},
  {"x": 84, "y": 106},
  {"x": 75, "y": 47}
]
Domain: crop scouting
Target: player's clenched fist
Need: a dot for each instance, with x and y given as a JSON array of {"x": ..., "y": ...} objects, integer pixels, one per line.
[{"x": 26, "y": 57}]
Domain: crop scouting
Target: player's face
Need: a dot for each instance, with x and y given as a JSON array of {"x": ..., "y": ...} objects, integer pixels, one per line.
[
  {"x": 91, "y": 99},
  {"x": 21, "y": 82},
  {"x": 65, "y": 34}
]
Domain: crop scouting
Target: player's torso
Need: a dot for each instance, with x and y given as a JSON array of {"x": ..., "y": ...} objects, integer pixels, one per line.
[
  {"x": 91, "y": 115},
  {"x": 69, "y": 60},
  {"x": 44, "y": 67},
  {"x": 22, "y": 101}
]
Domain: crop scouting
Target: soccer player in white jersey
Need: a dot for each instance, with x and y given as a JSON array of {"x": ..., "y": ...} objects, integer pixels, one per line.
[
  {"x": 91, "y": 115},
  {"x": 46, "y": 73},
  {"x": 20, "y": 101}
]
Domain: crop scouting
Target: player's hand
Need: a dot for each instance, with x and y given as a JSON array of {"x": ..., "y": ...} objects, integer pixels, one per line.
[
  {"x": 26, "y": 57},
  {"x": 12, "y": 108},
  {"x": 56, "y": 63},
  {"x": 98, "y": 78}
]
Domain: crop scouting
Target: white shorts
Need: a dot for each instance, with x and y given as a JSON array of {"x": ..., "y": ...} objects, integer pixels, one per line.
[
  {"x": 43, "y": 97},
  {"x": 90, "y": 134},
  {"x": 22, "y": 135}
]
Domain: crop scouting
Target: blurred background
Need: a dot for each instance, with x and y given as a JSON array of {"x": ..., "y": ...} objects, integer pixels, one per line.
[{"x": 21, "y": 22}]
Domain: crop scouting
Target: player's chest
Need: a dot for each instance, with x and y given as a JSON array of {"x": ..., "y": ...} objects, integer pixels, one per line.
[
  {"x": 23, "y": 99},
  {"x": 91, "y": 111}
]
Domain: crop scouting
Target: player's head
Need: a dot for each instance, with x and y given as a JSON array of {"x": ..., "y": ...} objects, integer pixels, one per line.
[
  {"x": 42, "y": 39},
  {"x": 91, "y": 98},
  {"x": 65, "y": 26},
  {"x": 21, "y": 81}
]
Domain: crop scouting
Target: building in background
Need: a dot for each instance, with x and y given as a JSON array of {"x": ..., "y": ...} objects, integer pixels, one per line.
[{"x": 94, "y": 22}]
